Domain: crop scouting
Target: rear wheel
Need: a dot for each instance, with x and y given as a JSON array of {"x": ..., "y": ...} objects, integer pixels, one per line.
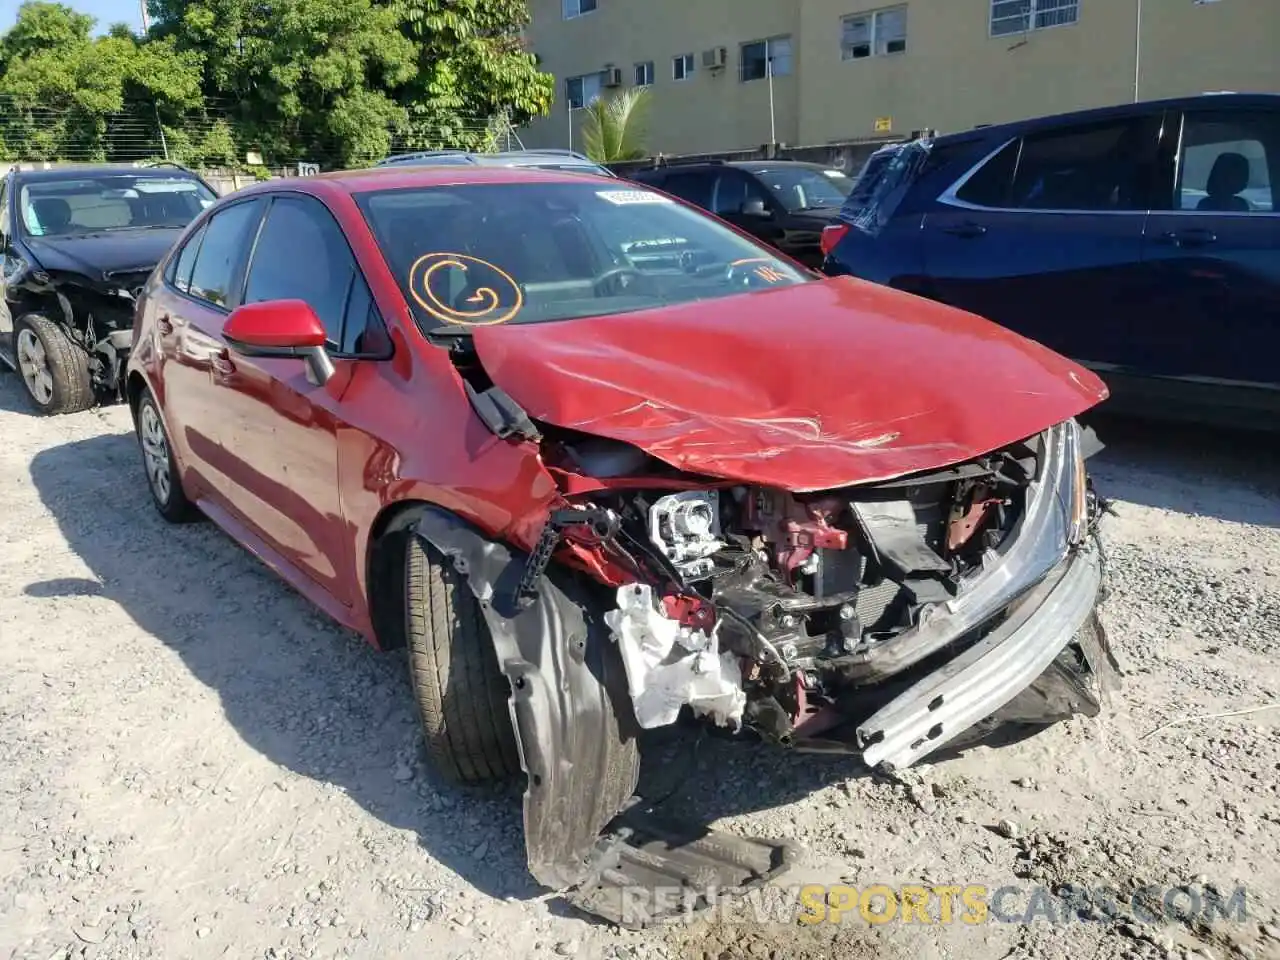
[
  {"x": 53, "y": 369},
  {"x": 462, "y": 694},
  {"x": 157, "y": 458}
]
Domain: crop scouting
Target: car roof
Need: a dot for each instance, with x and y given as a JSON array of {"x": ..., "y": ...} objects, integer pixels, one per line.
[
  {"x": 1013, "y": 127},
  {"x": 397, "y": 177},
  {"x": 505, "y": 157},
  {"x": 74, "y": 171},
  {"x": 749, "y": 165}
]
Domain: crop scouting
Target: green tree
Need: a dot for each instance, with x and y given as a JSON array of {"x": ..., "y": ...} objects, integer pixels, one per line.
[
  {"x": 615, "y": 126},
  {"x": 471, "y": 65},
  {"x": 66, "y": 95},
  {"x": 43, "y": 26},
  {"x": 305, "y": 79}
]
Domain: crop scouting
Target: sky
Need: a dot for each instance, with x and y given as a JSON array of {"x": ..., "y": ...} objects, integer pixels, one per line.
[{"x": 106, "y": 12}]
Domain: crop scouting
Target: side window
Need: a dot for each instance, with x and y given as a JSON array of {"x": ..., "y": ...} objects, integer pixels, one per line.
[
  {"x": 989, "y": 185},
  {"x": 180, "y": 272},
  {"x": 1230, "y": 159},
  {"x": 693, "y": 186},
  {"x": 363, "y": 332},
  {"x": 733, "y": 189},
  {"x": 4, "y": 211},
  {"x": 302, "y": 254},
  {"x": 218, "y": 260},
  {"x": 1101, "y": 166}
]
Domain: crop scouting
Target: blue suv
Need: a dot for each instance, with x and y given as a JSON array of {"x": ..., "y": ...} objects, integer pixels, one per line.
[{"x": 1141, "y": 240}]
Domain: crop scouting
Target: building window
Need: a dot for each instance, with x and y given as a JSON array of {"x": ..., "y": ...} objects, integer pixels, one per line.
[
  {"x": 682, "y": 66},
  {"x": 874, "y": 34},
  {"x": 581, "y": 91},
  {"x": 644, "y": 73},
  {"x": 576, "y": 8},
  {"x": 1019, "y": 16},
  {"x": 760, "y": 55}
]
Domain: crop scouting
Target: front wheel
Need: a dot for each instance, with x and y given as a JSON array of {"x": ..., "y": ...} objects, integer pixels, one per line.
[
  {"x": 54, "y": 370},
  {"x": 163, "y": 479},
  {"x": 461, "y": 692}
]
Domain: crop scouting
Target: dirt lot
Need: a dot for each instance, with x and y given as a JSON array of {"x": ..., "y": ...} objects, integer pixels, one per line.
[{"x": 194, "y": 763}]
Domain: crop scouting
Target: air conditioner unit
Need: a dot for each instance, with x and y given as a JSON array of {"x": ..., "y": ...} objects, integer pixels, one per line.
[
  {"x": 612, "y": 76},
  {"x": 715, "y": 58}
]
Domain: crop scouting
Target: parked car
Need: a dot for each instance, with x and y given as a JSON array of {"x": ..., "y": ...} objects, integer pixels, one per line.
[
  {"x": 785, "y": 203},
  {"x": 78, "y": 243},
  {"x": 596, "y": 459},
  {"x": 1141, "y": 240},
  {"x": 535, "y": 159}
]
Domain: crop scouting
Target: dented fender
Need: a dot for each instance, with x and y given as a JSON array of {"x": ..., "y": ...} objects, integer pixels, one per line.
[{"x": 570, "y": 709}]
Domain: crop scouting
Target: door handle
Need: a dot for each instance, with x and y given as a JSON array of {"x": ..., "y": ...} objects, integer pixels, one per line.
[
  {"x": 967, "y": 229},
  {"x": 221, "y": 364},
  {"x": 1195, "y": 237},
  {"x": 164, "y": 325}
]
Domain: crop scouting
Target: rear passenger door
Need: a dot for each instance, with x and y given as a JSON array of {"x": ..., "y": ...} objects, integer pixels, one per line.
[
  {"x": 281, "y": 430},
  {"x": 1214, "y": 251},
  {"x": 199, "y": 292},
  {"x": 1045, "y": 236}
]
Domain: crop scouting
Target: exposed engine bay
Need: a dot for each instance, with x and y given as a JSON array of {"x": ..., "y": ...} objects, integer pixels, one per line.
[{"x": 761, "y": 605}]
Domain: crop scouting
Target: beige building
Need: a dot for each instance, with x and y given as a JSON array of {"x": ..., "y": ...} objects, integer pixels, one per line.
[{"x": 849, "y": 69}]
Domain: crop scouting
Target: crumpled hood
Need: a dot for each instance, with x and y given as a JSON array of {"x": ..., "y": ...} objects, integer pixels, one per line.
[
  {"x": 809, "y": 387},
  {"x": 98, "y": 254}
]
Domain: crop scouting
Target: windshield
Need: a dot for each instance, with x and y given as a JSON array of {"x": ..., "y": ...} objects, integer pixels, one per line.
[
  {"x": 806, "y": 188},
  {"x": 107, "y": 203},
  {"x": 483, "y": 254}
]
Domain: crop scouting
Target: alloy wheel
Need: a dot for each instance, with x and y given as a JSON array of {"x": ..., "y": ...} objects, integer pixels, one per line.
[
  {"x": 33, "y": 364},
  {"x": 155, "y": 451}
]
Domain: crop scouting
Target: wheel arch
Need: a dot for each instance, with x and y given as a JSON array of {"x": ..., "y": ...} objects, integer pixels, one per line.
[
  {"x": 135, "y": 384},
  {"x": 384, "y": 569}
]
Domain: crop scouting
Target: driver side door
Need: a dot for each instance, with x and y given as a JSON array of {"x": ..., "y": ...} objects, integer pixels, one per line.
[{"x": 281, "y": 431}]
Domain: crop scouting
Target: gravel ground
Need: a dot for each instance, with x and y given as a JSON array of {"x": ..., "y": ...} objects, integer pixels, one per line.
[{"x": 194, "y": 763}]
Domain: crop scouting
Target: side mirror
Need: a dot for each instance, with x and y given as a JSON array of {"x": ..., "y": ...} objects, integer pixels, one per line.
[
  {"x": 281, "y": 328},
  {"x": 755, "y": 208}
]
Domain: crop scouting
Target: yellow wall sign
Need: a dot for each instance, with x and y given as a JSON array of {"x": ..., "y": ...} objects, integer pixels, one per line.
[{"x": 884, "y": 124}]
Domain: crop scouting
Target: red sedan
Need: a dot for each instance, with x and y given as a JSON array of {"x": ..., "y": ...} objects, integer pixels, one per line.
[{"x": 597, "y": 460}]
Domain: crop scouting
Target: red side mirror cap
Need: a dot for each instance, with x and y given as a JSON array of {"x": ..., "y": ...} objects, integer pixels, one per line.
[{"x": 275, "y": 325}]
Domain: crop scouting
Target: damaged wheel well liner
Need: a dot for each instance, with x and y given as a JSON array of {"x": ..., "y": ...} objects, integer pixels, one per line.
[{"x": 573, "y": 719}]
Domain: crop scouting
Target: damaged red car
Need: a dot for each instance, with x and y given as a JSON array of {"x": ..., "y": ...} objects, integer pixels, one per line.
[{"x": 597, "y": 460}]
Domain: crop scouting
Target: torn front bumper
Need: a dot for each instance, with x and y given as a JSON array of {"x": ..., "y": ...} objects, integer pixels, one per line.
[
  {"x": 985, "y": 678},
  {"x": 576, "y": 735}
]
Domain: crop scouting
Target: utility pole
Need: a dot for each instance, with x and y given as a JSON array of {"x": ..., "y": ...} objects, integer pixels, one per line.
[
  {"x": 773, "y": 127},
  {"x": 146, "y": 21},
  {"x": 1137, "y": 51}
]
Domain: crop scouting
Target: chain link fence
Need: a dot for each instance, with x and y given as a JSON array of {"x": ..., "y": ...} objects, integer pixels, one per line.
[{"x": 208, "y": 137}]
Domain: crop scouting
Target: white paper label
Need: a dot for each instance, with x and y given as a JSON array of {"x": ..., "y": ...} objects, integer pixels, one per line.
[{"x": 623, "y": 198}]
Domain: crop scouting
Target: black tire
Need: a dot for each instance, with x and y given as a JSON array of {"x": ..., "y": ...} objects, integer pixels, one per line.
[
  {"x": 461, "y": 692},
  {"x": 66, "y": 363},
  {"x": 169, "y": 498}
]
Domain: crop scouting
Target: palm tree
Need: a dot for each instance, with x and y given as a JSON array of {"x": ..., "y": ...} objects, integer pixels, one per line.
[{"x": 614, "y": 128}]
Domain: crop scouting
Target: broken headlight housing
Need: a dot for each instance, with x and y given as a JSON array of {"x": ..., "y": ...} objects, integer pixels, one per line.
[{"x": 1053, "y": 521}]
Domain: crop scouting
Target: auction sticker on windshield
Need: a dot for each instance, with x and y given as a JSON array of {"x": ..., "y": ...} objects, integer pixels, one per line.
[{"x": 624, "y": 198}]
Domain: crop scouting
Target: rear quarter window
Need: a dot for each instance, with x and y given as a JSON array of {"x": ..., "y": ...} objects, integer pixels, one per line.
[{"x": 886, "y": 178}]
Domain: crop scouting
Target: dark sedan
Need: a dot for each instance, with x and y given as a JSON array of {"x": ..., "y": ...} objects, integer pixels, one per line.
[{"x": 785, "y": 203}]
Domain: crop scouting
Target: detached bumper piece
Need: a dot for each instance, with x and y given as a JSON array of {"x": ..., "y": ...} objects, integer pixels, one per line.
[
  {"x": 648, "y": 870},
  {"x": 1025, "y": 651}
]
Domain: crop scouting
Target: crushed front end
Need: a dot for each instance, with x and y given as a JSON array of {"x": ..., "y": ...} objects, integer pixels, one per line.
[
  {"x": 791, "y": 614},
  {"x": 884, "y": 620}
]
